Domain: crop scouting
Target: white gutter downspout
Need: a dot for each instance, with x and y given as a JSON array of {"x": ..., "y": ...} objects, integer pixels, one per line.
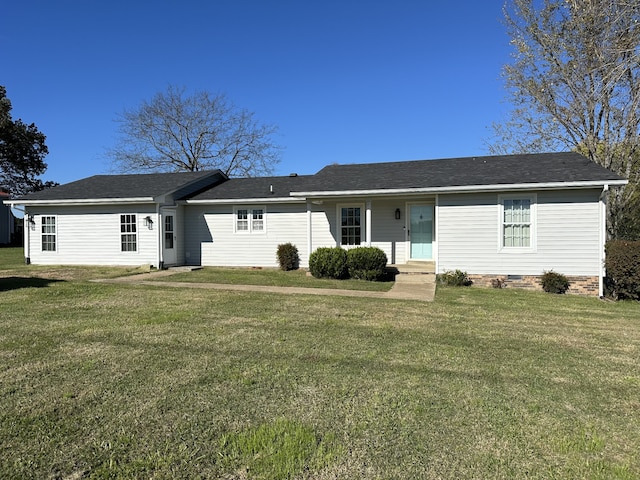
[
  {"x": 26, "y": 226},
  {"x": 309, "y": 230},
  {"x": 160, "y": 245},
  {"x": 603, "y": 238}
]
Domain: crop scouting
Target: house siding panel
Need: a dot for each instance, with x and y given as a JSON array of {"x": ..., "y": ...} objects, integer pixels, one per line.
[
  {"x": 567, "y": 235},
  {"x": 323, "y": 222},
  {"x": 387, "y": 233},
  {"x": 211, "y": 240},
  {"x": 91, "y": 236}
]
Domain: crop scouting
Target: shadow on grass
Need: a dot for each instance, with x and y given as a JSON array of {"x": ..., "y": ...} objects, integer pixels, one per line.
[{"x": 15, "y": 283}]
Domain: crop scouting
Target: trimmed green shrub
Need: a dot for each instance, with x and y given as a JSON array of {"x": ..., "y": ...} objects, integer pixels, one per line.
[
  {"x": 288, "y": 257},
  {"x": 623, "y": 269},
  {"x": 553, "y": 282},
  {"x": 329, "y": 262},
  {"x": 366, "y": 263},
  {"x": 454, "y": 278}
]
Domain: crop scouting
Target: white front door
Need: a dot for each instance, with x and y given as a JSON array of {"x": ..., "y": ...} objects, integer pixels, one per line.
[
  {"x": 169, "y": 238},
  {"x": 421, "y": 232}
]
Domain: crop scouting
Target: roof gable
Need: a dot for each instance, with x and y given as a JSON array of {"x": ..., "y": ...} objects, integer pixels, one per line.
[{"x": 120, "y": 187}]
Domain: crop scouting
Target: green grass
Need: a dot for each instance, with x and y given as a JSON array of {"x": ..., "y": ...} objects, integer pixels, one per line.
[
  {"x": 12, "y": 265},
  {"x": 272, "y": 277},
  {"x": 131, "y": 381}
]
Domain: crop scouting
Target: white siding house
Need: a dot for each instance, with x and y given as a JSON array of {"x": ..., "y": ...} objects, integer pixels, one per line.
[{"x": 500, "y": 217}]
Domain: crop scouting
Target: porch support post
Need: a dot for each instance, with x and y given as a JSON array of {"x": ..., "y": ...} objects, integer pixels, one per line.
[
  {"x": 309, "y": 230},
  {"x": 367, "y": 224}
]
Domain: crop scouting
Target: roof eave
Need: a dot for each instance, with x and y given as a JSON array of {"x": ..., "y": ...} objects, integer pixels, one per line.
[
  {"x": 84, "y": 201},
  {"x": 232, "y": 201},
  {"x": 463, "y": 189}
]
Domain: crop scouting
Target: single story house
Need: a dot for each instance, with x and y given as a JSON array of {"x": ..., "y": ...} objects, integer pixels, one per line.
[{"x": 510, "y": 217}]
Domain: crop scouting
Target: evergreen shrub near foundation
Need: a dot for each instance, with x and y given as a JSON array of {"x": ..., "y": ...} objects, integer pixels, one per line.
[
  {"x": 623, "y": 269},
  {"x": 329, "y": 262},
  {"x": 553, "y": 282},
  {"x": 454, "y": 278},
  {"x": 288, "y": 257},
  {"x": 366, "y": 263}
]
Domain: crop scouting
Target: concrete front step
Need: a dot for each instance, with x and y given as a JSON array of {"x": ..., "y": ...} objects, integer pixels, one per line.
[{"x": 424, "y": 268}]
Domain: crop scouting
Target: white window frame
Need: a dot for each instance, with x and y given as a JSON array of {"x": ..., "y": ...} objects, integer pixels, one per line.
[
  {"x": 134, "y": 222},
  {"x": 533, "y": 202},
  {"x": 54, "y": 233},
  {"x": 362, "y": 226},
  {"x": 251, "y": 221}
]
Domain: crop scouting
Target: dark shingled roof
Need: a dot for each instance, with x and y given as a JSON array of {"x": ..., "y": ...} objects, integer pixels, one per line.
[
  {"x": 259, "y": 187},
  {"x": 120, "y": 186},
  {"x": 481, "y": 171},
  {"x": 452, "y": 172}
]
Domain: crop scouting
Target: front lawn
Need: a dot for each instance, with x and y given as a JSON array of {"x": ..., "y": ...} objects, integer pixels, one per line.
[
  {"x": 134, "y": 381},
  {"x": 12, "y": 265},
  {"x": 272, "y": 277}
]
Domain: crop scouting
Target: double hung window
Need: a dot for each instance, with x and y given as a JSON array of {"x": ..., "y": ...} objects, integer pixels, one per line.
[
  {"x": 128, "y": 233},
  {"x": 249, "y": 219},
  {"x": 517, "y": 222},
  {"x": 48, "y": 234},
  {"x": 351, "y": 225}
]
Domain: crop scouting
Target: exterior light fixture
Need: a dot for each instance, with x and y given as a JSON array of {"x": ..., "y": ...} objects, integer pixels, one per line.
[
  {"x": 397, "y": 214},
  {"x": 148, "y": 221}
]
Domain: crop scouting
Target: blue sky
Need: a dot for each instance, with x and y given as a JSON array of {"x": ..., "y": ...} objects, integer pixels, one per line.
[{"x": 346, "y": 81}]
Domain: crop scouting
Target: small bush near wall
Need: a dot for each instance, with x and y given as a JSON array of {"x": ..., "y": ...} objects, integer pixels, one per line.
[
  {"x": 454, "y": 278},
  {"x": 623, "y": 269},
  {"x": 366, "y": 263},
  {"x": 553, "y": 282},
  {"x": 327, "y": 262},
  {"x": 288, "y": 257}
]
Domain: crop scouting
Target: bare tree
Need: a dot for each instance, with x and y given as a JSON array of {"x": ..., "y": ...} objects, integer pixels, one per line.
[
  {"x": 575, "y": 82},
  {"x": 176, "y": 132}
]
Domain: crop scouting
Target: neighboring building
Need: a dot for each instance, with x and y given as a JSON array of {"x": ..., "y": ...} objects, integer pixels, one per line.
[
  {"x": 512, "y": 217},
  {"x": 7, "y": 220}
]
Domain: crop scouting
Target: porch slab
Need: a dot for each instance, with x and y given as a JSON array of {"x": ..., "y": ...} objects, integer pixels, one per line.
[{"x": 413, "y": 268}]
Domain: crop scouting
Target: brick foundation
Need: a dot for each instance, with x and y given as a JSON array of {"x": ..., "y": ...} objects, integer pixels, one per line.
[{"x": 578, "y": 285}]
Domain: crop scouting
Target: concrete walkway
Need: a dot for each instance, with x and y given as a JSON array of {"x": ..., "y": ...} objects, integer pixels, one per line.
[{"x": 406, "y": 287}]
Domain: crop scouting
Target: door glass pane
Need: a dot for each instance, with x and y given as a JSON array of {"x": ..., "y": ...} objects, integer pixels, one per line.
[
  {"x": 168, "y": 231},
  {"x": 421, "y": 231}
]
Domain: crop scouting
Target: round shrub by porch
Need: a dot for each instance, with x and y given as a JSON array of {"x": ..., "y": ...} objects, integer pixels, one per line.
[
  {"x": 553, "y": 282},
  {"x": 366, "y": 263},
  {"x": 328, "y": 262},
  {"x": 288, "y": 257}
]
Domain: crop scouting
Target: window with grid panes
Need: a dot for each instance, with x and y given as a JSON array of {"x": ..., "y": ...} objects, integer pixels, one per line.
[
  {"x": 128, "y": 233},
  {"x": 48, "y": 234}
]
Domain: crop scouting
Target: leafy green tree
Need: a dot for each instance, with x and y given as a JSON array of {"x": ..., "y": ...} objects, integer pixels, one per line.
[
  {"x": 574, "y": 84},
  {"x": 178, "y": 132},
  {"x": 22, "y": 152}
]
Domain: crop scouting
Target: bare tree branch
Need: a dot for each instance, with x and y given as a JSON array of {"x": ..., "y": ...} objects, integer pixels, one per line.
[
  {"x": 176, "y": 132},
  {"x": 575, "y": 84}
]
